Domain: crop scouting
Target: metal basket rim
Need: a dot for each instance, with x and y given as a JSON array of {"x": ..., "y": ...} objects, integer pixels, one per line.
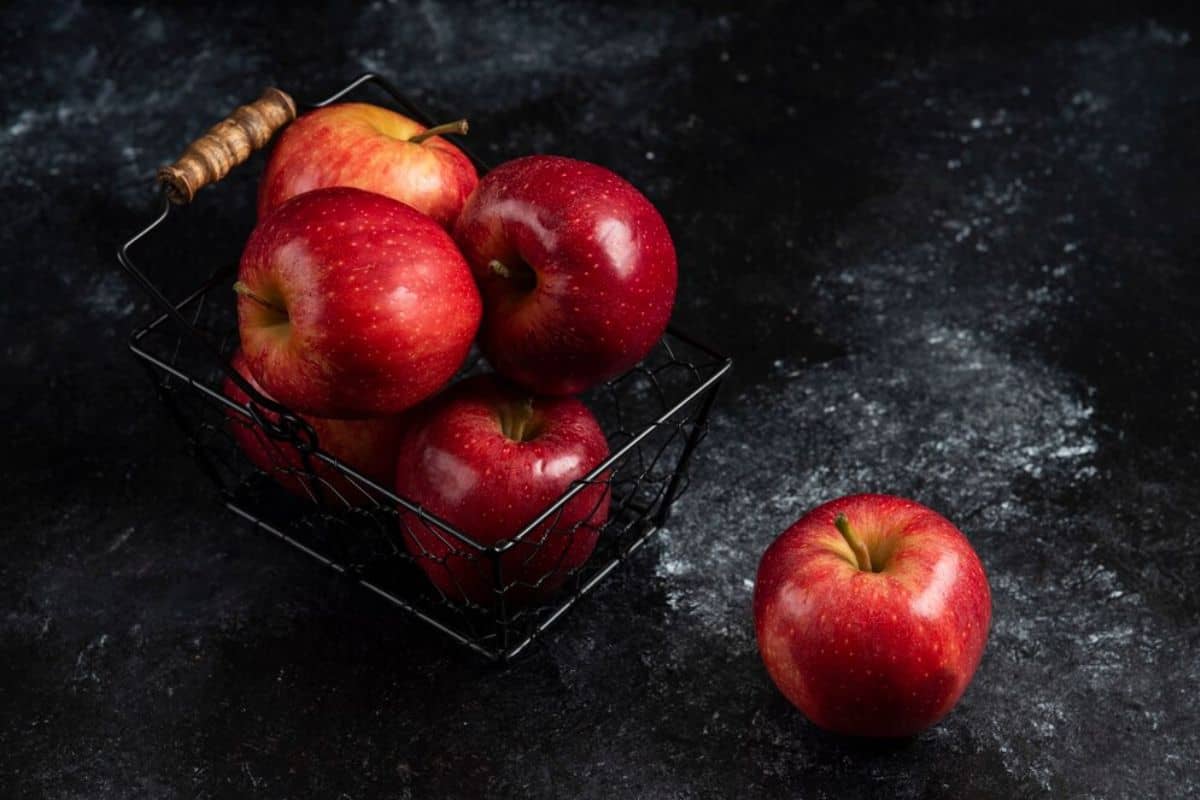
[{"x": 719, "y": 369}]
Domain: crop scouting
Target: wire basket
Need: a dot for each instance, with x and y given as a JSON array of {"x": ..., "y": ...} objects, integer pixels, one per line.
[{"x": 653, "y": 416}]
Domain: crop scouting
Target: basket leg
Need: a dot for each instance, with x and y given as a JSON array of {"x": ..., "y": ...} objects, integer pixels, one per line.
[{"x": 699, "y": 425}]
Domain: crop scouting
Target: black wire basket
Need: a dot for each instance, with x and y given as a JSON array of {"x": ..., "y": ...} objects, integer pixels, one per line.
[{"x": 653, "y": 416}]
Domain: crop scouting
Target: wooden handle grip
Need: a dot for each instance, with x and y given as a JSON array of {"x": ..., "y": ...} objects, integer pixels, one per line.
[{"x": 227, "y": 144}]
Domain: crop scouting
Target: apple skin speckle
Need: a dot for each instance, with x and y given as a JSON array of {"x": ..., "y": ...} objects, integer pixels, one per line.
[{"x": 604, "y": 264}]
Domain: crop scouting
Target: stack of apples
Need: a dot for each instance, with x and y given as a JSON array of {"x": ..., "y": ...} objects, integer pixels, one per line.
[{"x": 379, "y": 257}]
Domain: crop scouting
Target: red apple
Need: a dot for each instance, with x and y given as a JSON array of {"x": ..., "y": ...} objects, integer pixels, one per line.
[
  {"x": 871, "y": 613},
  {"x": 488, "y": 458},
  {"x": 371, "y": 148},
  {"x": 576, "y": 268},
  {"x": 352, "y": 304},
  {"x": 366, "y": 445}
]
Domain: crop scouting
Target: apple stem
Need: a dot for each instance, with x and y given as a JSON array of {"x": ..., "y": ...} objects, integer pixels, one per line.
[
  {"x": 517, "y": 420},
  {"x": 862, "y": 556},
  {"x": 459, "y": 126},
  {"x": 246, "y": 291},
  {"x": 521, "y": 275},
  {"x": 521, "y": 422}
]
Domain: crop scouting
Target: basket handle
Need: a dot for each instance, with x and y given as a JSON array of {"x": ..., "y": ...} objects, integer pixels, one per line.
[{"x": 227, "y": 144}]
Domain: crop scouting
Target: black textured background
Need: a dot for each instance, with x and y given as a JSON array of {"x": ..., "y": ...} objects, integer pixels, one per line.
[{"x": 952, "y": 248}]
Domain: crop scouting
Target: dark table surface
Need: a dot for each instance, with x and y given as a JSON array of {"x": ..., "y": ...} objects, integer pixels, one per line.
[{"x": 953, "y": 251}]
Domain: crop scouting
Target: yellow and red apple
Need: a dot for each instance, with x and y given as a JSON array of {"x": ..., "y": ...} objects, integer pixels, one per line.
[{"x": 371, "y": 148}]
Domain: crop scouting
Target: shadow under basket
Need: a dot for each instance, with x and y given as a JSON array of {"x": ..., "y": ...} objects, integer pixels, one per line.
[{"x": 653, "y": 416}]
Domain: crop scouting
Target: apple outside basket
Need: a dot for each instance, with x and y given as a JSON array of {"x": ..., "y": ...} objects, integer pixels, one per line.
[{"x": 653, "y": 416}]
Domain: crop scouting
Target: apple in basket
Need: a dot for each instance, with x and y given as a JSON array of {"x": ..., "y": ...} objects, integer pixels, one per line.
[
  {"x": 489, "y": 458},
  {"x": 577, "y": 271},
  {"x": 352, "y": 304},
  {"x": 372, "y": 148},
  {"x": 367, "y": 446}
]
